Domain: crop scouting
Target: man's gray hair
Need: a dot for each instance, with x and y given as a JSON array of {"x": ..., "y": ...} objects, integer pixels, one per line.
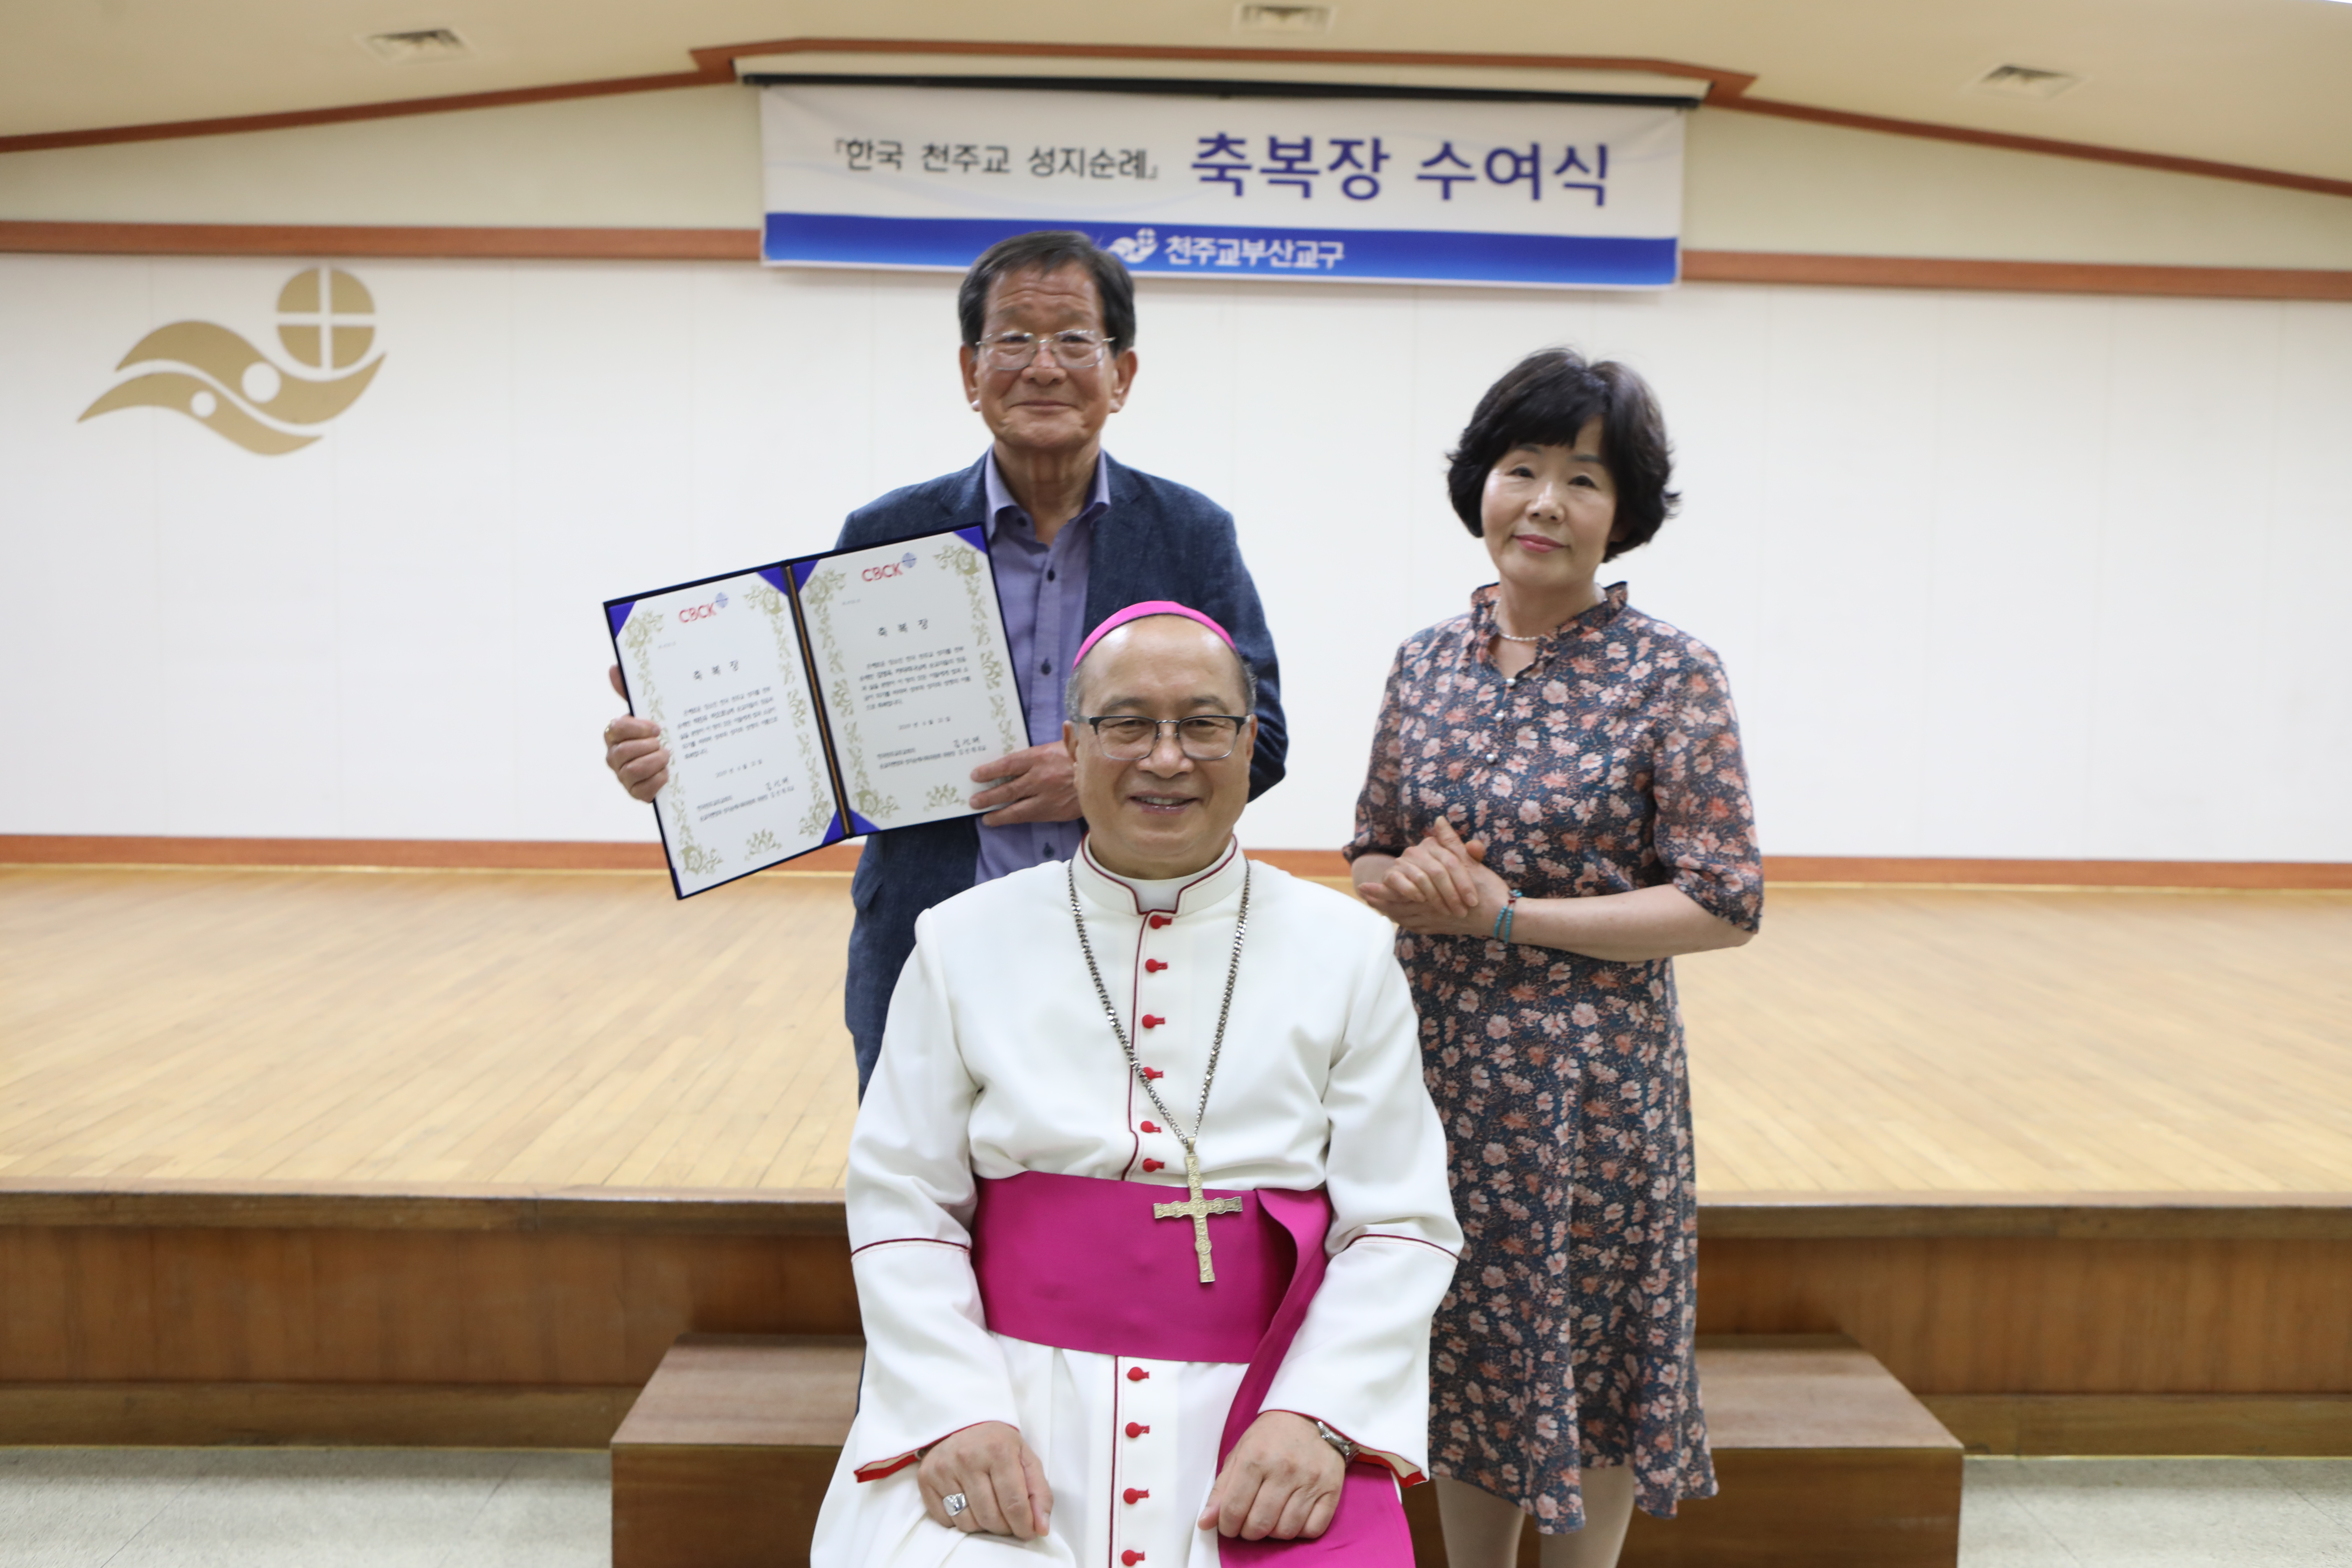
[{"x": 1076, "y": 682}]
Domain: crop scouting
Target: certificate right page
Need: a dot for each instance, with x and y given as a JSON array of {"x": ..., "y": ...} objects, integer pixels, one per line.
[{"x": 914, "y": 671}]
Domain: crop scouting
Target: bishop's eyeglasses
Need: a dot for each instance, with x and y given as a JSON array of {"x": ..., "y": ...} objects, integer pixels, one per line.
[{"x": 1203, "y": 737}]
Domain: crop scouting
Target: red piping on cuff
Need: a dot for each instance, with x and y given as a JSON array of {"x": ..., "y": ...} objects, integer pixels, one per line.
[
  {"x": 1384, "y": 1235},
  {"x": 909, "y": 1241},
  {"x": 891, "y": 1467},
  {"x": 876, "y": 1471}
]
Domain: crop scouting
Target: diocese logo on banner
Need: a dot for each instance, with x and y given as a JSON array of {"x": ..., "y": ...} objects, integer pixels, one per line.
[
  {"x": 1325, "y": 189},
  {"x": 326, "y": 322}
]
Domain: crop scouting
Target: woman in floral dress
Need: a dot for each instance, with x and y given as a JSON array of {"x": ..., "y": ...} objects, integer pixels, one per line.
[{"x": 1557, "y": 806}]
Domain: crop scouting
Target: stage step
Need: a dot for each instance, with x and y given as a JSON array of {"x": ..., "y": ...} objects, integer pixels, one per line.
[{"x": 1824, "y": 1459}]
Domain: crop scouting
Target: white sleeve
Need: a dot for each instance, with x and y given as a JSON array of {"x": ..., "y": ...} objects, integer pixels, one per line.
[
  {"x": 931, "y": 1367},
  {"x": 1361, "y": 1363}
]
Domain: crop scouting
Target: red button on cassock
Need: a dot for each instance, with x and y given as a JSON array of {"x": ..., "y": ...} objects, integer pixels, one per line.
[
  {"x": 1152, "y": 1020},
  {"x": 1159, "y": 920},
  {"x": 1151, "y": 1127},
  {"x": 1153, "y": 1072},
  {"x": 1136, "y": 1374},
  {"x": 1137, "y": 1428},
  {"x": 1131, "y": 1557},
  {"x": 1152, "y": 966},
  {"x": 1135, "y": 1494},
  {"x": 1155, "y": 1164}
]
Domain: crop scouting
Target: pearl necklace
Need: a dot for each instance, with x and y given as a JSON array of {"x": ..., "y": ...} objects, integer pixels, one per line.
[{"x": 1541, "y": 635}]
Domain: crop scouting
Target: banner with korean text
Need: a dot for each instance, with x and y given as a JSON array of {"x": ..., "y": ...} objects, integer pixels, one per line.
[{"x": 1371, "y": 189}]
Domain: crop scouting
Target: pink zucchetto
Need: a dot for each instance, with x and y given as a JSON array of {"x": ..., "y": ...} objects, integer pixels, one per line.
[{"x": 1118, "y": 618}]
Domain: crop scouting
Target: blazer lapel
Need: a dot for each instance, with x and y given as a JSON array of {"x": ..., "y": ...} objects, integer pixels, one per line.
[{"x": 966, "y": 505}]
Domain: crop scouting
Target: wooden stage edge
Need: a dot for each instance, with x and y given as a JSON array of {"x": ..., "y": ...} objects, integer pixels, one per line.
[
  {"x": 179, "y": 1313},
  {"x": 532, "y": 855},
  {"x": 55, "y": 1202}
]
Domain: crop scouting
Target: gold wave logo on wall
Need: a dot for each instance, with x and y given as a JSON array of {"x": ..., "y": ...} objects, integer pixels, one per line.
[{"x": 326, "y": 322}]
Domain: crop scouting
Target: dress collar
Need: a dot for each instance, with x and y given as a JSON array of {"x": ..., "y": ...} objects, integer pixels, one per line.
[
  {"x": 1203, "y": 889},
  {"x": 1484, "y": 623}
]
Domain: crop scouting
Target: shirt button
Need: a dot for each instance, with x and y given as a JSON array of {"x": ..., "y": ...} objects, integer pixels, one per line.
[
  {"x": 1046, "y": 669},
  {"x": 1049, "y": 576},
  {"x": 1492, "y": 755}
]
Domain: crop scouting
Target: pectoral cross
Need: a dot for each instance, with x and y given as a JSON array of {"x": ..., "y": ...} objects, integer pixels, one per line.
[{"x": 1197, "y": 1209}]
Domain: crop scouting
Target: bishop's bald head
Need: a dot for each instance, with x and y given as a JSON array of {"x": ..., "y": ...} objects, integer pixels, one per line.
[{"x": 1160, "y": 733}]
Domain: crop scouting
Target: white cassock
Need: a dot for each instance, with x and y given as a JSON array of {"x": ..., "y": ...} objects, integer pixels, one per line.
[{"x": 998, "y": 1060}]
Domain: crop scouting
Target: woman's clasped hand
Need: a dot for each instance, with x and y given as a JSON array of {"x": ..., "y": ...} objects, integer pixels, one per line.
[{"x": 1441, "y": 887}]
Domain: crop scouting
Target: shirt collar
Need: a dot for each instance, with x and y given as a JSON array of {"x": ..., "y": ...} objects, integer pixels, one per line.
[
  {"x": 1203, "y": 889},
  {"x": 1000, "y": 498}
]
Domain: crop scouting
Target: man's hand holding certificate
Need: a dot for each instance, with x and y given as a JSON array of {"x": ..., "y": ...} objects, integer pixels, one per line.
[{"x": 814, "y": 701}]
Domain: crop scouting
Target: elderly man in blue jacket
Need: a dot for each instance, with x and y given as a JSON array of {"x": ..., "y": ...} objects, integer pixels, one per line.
[{"x": 1048, "y": 356}]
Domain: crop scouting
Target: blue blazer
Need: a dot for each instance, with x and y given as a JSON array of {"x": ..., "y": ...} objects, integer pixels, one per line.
[{"x": 1156, "y": 541}]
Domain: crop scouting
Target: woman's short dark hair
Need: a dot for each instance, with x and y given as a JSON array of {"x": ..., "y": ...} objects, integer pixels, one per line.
[
  {"x": 1050, "y": 250},
  {"x": 1543, "y": 401}
]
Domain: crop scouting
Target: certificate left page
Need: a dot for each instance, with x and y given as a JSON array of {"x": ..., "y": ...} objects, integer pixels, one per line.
[{"x": 718, "y": 666}]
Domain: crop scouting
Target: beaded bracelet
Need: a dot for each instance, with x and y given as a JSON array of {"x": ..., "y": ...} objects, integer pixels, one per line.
[{"x": 1503, "y": 919}]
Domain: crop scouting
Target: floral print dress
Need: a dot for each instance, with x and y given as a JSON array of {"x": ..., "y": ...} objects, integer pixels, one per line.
[{"x": 1611, "y": 762}]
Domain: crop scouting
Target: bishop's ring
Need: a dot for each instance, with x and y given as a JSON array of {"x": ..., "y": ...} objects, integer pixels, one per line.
[{"x": 954, "y": 1503}]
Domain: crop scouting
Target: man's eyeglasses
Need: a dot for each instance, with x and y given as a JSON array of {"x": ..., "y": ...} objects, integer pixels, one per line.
[
  {"x": 1203, "y": 737},
  {"x": 1071, "y": 351}
]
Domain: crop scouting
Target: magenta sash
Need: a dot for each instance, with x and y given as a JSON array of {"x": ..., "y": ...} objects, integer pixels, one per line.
[{"x": 1079, "y": 1263}]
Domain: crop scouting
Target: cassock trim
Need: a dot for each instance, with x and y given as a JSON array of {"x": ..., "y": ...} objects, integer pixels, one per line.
[
  {"x": 1416, "y": 1240},
  {"x": 1087, "y": 852},
  {"x": 911, "y": 1241}
]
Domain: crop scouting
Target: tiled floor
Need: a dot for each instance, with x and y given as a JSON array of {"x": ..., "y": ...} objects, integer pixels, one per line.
[
  {"x": 303, "y": 1508},
  {"x": 2156, "y": 1514},
  {"x": 379, "y": 1508}
]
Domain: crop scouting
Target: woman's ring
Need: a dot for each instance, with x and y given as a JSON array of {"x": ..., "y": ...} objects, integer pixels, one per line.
[{"x": 955, "y": 1503}]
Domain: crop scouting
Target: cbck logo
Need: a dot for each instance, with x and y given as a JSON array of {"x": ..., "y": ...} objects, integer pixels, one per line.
[
  {"x": 326, "y": 323},
  {"x": 703, "y": 612},
  {"x": 898, "y": 568}
]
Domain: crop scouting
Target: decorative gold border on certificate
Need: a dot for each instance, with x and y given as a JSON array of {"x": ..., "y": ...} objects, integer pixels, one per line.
[
  {"x": 814, "y": 820},
  {"x": 816, "y": 600},
  {"x": 958, "y": 555},
  {"x": 643, "y": 627}
]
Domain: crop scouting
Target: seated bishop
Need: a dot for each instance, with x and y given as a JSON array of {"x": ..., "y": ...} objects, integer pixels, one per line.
[{"x": 1147, "y": 1203}]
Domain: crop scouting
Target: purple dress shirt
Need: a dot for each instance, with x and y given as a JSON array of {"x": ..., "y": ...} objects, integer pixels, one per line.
[{"x": 1043, "y": 588}]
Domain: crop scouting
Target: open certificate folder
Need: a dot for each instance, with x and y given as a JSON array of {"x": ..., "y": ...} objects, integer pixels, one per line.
[{"x": 819, "y": 699}]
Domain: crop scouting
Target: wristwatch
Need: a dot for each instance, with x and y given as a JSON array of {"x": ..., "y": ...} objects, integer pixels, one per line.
[{"x": 1347, "y": 1449}]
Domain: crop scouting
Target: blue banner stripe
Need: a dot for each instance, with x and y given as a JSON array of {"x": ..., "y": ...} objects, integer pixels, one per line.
[{"x": 1203, "y": 250}]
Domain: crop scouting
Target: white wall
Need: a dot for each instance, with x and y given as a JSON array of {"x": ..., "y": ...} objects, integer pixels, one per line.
[{"x": 2002, "y": 575}]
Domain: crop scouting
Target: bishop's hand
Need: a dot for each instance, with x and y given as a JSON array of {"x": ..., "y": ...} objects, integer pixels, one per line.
[
  {"x": 1282, "y": 1479},
  {"x": 999, "y": 1475}
]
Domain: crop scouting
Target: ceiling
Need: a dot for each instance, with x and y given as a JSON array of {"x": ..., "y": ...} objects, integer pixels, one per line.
[{"x": 2255, "y": 82}]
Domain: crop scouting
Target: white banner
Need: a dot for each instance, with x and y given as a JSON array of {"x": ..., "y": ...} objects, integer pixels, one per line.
[{"x": 1349, "y": 189}]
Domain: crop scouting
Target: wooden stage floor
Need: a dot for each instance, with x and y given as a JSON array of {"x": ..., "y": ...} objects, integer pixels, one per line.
[{"x": 417, "y": 1029}]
